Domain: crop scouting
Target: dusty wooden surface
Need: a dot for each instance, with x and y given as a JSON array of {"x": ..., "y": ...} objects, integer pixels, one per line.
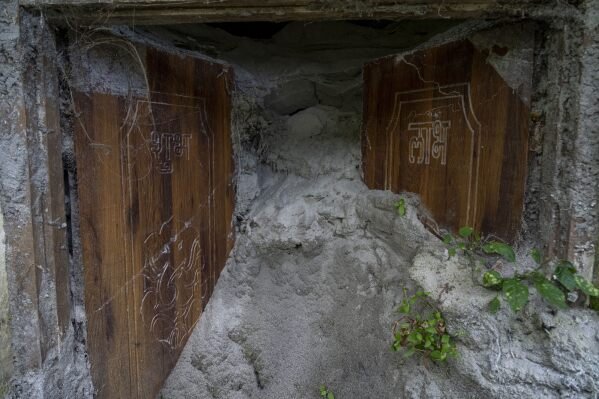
[
  {"x": 156, "y": 202},
  {"x": 56, "y": 257},
  {"x": 442, "y": 123},
  {"x": 191, "y": 11}
]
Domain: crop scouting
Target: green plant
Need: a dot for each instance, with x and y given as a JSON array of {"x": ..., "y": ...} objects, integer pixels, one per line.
[
  {"x": 422, "y": 329},
  {"x": 326, "y": 393},
  {"x": 474, "y": 246},
  {"x": 400, "y": 207},
  {"x": 515, "y": 290}
]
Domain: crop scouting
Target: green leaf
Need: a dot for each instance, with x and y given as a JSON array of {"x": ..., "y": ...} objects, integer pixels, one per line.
[
  {"x": 404, "y": 307},
  {"x": 536, "y": 255},
  {"x": 586, "y": 286},
  {"x": 465, "y": 232},
  {"x": 499, "y": 248},
  {"x": 451, "y": 252},
  {"x": 494, "y": 305},
  {"x": 492, "y": 279},
  {"x": 447, "y": 238},
  {"x": 401, "y": 207},
  {"x": 323, "y": 390},
  {"x": 550, "y": 292},
  {"x": 565, "y": 276},
  {"x": 568, "y": 265},
  {"x": 438, "y": 355},
  {"x": 445, "y": 339},
  {"x": 536, "y": 277},
  {"x": 516, "y": 293},
  {"x": 415, "y": 338},
  {"x": 330, "y": 395}
]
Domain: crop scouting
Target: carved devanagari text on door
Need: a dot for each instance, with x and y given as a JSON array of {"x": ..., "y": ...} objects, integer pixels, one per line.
[
  {"x": 156, "y": 203},
  {"x": 443, "y": 124}
]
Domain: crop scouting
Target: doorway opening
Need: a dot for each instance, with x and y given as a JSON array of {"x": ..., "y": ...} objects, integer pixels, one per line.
[{"x": 186, "y": 136}]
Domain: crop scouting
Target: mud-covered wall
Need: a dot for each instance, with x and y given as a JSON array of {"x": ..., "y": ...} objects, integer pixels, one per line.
[
  {"x": 13, "y": 192},
  {"x": 565, "y": 137},
  {"x": 48, "y": 355}
]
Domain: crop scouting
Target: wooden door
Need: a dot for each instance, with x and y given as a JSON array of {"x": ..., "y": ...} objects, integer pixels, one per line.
[
  {"x": 444, "y": 124},
  {"x": 156, "y": 201}
]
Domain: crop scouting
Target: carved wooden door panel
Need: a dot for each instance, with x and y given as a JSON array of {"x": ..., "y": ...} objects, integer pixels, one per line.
[
  {"x": 156, "y": 202},
  {"x": 443, "y": 123}
]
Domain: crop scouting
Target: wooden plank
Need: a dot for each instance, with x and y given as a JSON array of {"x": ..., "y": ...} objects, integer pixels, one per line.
[
  {"x": 273, "y": 6},
  {"x": 54, "y": 210},
  {"x": 173, "y": 177},
  {"x": 258, "y": 3},
  {"x": 443, "y": 123},
  {"x": 101, "y": 204},
  {"x": 46, "y": 189},
  {"x": 196, "y": 11}
]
